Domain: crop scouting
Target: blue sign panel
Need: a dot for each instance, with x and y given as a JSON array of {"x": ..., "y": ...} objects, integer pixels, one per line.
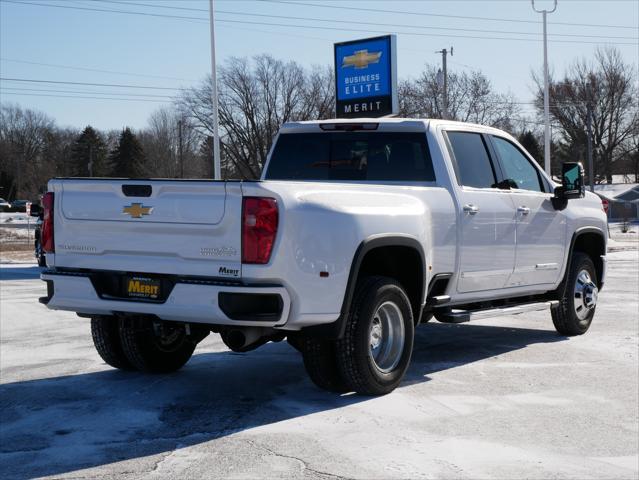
[{"x": 365, "y": 77}]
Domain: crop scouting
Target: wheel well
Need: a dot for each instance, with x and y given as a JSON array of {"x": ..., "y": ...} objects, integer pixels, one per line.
[
  {"x": 402, "y": 263},
  {"x": 593, "y": 245}
]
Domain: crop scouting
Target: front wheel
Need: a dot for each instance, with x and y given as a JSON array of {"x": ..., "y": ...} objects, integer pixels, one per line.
[
  {"x": 578, "y": 297},
  {"x": 375, "y": 352},
  {"x": 155, "y": 346}
]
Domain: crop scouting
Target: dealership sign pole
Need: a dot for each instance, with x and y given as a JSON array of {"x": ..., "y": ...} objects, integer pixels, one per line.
[{"x": 366, "y": 78}]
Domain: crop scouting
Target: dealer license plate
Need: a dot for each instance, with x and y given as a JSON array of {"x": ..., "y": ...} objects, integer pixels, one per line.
[{"x": 142, "y": 287}]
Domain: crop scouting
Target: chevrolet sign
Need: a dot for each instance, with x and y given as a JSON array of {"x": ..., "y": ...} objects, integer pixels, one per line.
[{"x": 366, "y": 77}]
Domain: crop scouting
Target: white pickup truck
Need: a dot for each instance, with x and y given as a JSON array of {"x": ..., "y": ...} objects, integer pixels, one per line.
[{"x": 356, "y": 232}]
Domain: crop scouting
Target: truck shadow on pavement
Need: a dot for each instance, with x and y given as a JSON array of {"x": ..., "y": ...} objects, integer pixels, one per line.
[
  {"x": 11, "y": 272},
  {"x": 59, "y": 425}
]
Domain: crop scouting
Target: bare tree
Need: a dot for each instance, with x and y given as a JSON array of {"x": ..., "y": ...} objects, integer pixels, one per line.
[
  {"x": 255, "y": 97},
  {"x": 607, "y": 87},
  {"x": 471, "y": 98},
  {"x": 24, "y": 136}
]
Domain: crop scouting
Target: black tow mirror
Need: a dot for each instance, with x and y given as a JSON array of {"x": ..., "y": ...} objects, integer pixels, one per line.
[
  {"x": 572, "y": 181},
  {"x": 36, "y": 210}
]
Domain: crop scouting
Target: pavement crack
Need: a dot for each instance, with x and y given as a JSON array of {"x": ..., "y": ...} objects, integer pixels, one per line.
[
  {"x": 304, "y": 465},
  {"x": 165, "y": 456}
]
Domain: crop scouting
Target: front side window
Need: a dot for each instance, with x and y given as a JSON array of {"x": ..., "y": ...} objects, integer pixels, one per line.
[
  {"x": 473, "y": 165},
  {"x": 352, "y": 156},
  {"x": 516, "y": 166}
]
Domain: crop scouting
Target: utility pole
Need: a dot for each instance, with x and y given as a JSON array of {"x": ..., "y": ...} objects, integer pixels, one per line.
[
  {"x": 217, "y": 167},
  {"x": 591, "y": 169},
  {"x": 180, "y": 149},
  {"x": 444, "y": 81},
  {"x": 546, "y": 100}
]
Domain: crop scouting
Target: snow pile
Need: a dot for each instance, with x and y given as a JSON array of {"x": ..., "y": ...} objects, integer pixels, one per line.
[{"x": 15, "y": 218}]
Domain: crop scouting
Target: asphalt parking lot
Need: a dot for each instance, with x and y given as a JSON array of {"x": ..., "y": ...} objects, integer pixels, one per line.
[{"x": 500, "y": 398}]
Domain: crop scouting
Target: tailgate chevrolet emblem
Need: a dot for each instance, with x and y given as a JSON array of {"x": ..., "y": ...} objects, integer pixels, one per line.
[
  {"x": 136, "y": 210},
  {"x": 361, "y": 59}
]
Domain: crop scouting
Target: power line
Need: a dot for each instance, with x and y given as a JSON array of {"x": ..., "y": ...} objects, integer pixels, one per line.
[
  {"x": 92, "y": 92},
  {"x": 189, "y": 9},
  {"x": 91, "y": 9},
  {"x": 316, "y": 27},
  {"x": 355, "y": 22},
  {"x": 31, "y": 80},
  {"x": 86, "y": 69},
  {"x": 87, "y": 98},
  {"x": 492, "y": 19}
]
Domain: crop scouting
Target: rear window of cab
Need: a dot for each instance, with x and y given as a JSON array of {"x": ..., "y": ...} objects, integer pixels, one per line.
[{"x": 351, "y": 156}]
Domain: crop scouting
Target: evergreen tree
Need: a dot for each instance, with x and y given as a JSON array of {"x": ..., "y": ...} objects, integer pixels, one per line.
[
  {"x": 128, "y": 157},
  {"x": 89, "y": 155},
  {"x": 530, "y": 143}
]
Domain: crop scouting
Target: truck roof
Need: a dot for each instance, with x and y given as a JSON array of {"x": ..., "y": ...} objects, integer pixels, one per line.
[{"x": 386, "y": 123}]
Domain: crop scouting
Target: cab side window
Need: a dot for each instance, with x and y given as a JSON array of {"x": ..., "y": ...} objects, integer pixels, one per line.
[
  {"x": 472, "y": 163},
  {"x": 517, "y": 166}
]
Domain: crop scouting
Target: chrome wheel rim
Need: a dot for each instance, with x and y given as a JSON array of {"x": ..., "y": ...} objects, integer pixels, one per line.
[
  {"x": 586, "y": 293},
  {"x": 386, "y": 337}
]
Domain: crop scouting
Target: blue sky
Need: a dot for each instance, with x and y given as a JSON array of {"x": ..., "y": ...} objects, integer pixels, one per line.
[{"x": 169, "y": 53}]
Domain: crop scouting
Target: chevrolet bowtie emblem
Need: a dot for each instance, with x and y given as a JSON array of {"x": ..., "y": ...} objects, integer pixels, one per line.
[
  {"x": 361, "y": 59},
  {"x": 136, "y": 210}
]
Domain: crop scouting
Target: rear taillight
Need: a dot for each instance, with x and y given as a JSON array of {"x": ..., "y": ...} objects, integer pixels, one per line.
[
  {"x": 259, "y": 227},
  {"x": 47, "y": 223},
  {"x": 605, "y": 205}
]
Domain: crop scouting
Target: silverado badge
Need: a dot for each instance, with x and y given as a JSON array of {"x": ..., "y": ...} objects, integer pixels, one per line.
[{"x": 136, "y": 210}]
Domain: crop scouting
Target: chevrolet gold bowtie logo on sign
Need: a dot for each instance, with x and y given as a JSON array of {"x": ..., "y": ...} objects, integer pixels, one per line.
[
  {"x": 361, "y": 59},
  {"x": 136, "y": 210}
]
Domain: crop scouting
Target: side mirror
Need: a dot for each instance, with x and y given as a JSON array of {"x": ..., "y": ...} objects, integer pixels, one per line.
[
  {"x": 572, "y": 181},
  {"x": 36, "y": 210}
]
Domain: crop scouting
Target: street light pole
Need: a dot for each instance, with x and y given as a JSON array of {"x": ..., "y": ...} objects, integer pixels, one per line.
[
  {"x": 217, "y": 169},
  {"x": 546, "y": 100}
]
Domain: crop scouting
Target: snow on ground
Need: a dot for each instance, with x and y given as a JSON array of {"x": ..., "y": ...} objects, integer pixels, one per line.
[
  {"x": 493, "y": 399},
  {"x": 15, "y": 234},
  {"x": 7, "y": 218},
  {"x": 618, "y": 240}
]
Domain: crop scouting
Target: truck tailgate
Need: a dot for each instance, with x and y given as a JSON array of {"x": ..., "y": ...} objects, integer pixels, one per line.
[{"x": 178, "y": 227}]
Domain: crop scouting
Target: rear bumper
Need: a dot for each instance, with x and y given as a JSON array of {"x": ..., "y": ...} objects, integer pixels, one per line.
[{"x": 193, "y": 302}]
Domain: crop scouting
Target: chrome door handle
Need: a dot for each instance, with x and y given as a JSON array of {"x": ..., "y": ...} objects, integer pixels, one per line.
[
  {"x": 471, "y": 209},
  {"x": 523, "y": 210}
]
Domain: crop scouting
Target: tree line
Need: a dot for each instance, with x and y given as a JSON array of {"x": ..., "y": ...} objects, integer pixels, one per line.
[{"x": 257, "y": 95}]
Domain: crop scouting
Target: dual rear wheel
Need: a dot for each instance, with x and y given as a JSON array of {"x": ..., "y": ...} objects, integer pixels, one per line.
[
  {"x": 374, "y": 353},
  {"x": 143, "y": 344}
]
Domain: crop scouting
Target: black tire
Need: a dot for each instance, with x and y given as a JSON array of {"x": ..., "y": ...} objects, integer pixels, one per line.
[
  {"x": 155, "y": 347},
  {"x": 320, "y": 361},
  {"x": 355, "y": 361},
  {"x": 565, "y": 317},
  {"x": 106, "y": 338}
]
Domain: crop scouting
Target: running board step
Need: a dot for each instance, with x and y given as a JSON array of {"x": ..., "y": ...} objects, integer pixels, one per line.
[{"x": 461, "y": 316}]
